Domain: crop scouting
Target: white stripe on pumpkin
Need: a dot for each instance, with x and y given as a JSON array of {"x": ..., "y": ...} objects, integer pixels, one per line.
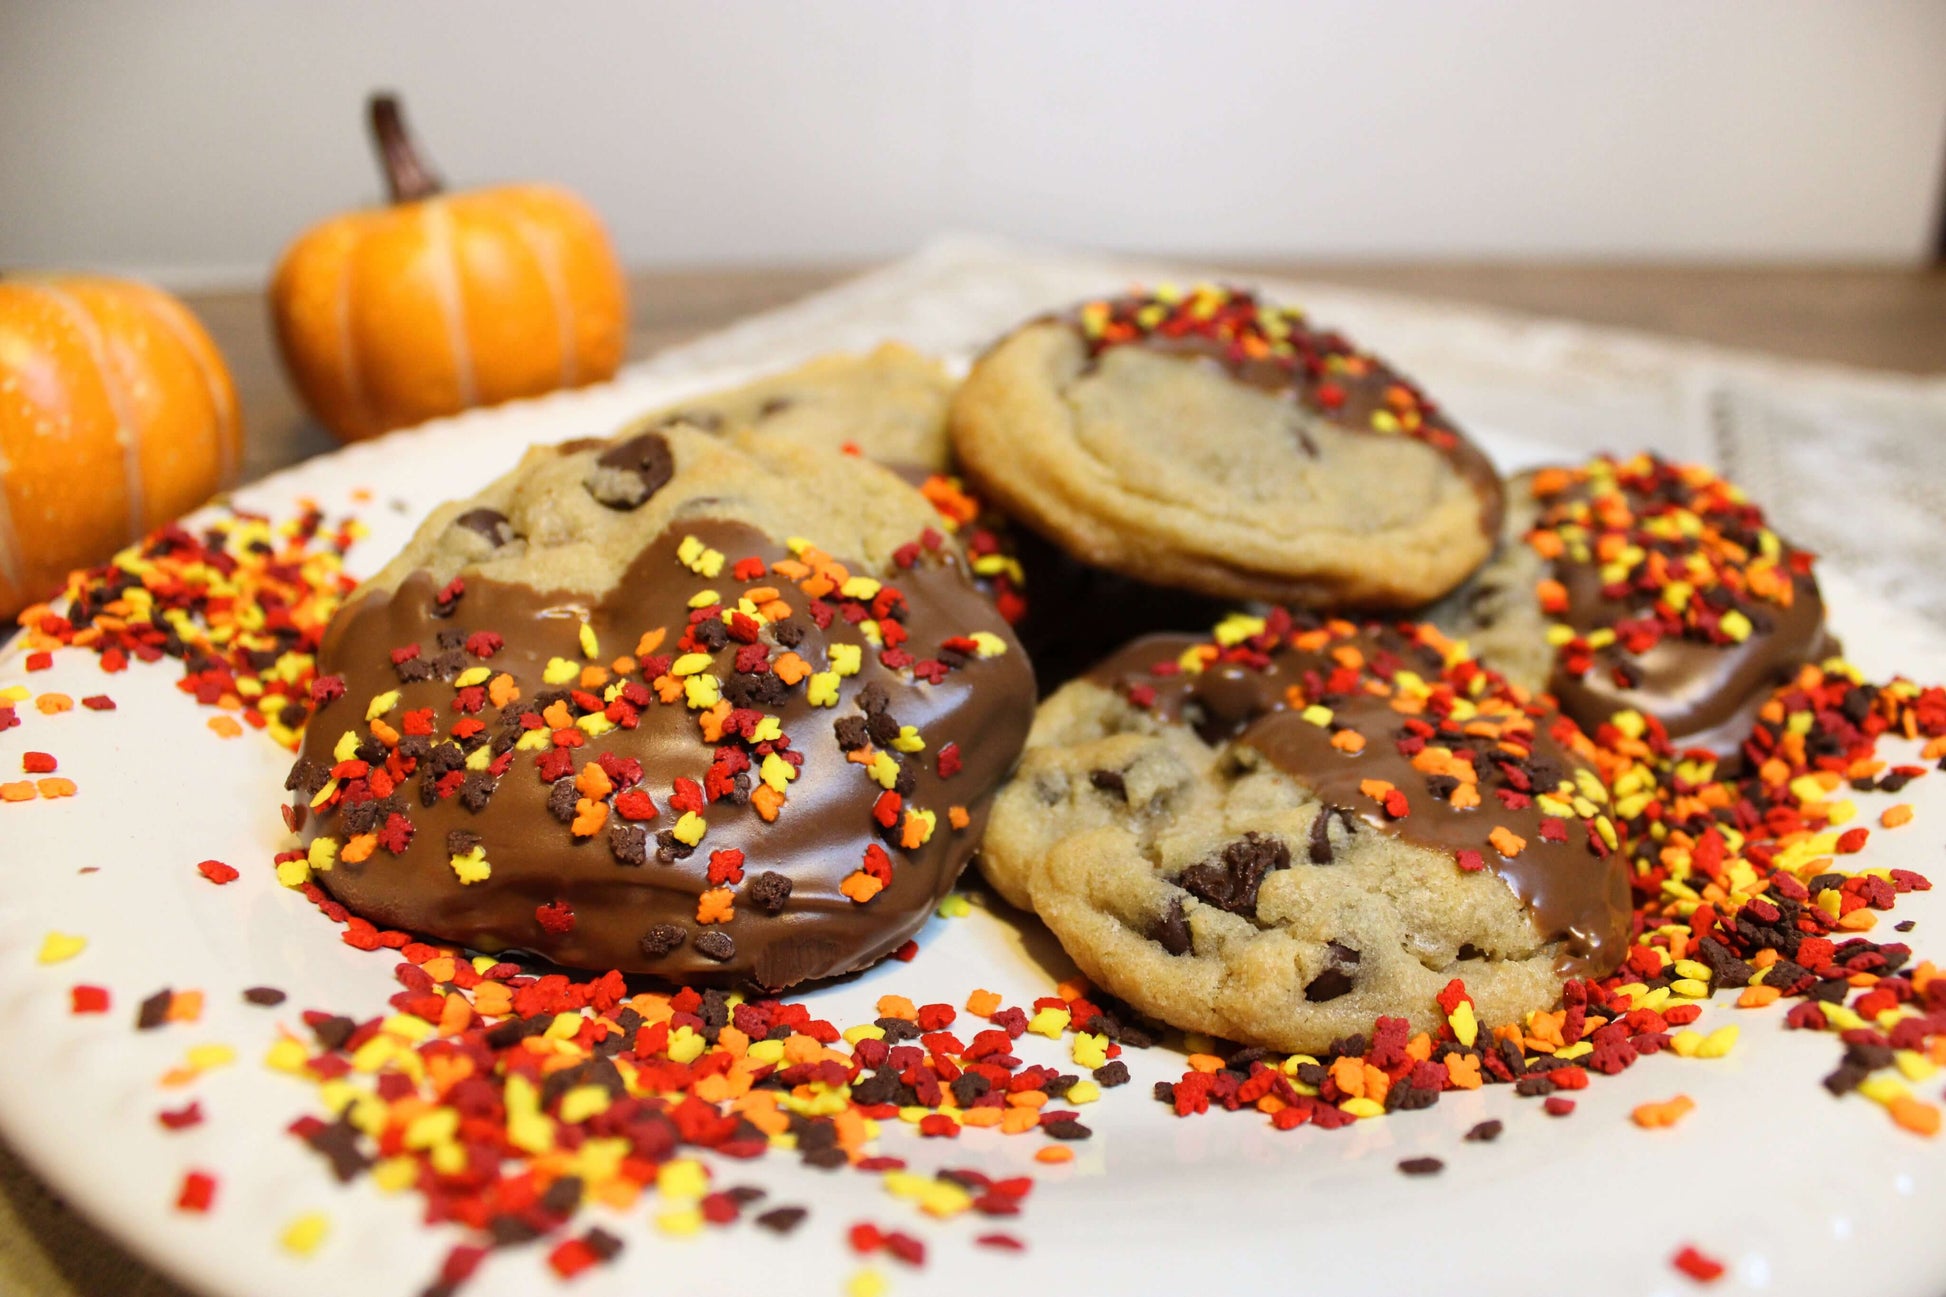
[
  {"x": 126, "y": 433},
  {"x": 446, "y": 283}
]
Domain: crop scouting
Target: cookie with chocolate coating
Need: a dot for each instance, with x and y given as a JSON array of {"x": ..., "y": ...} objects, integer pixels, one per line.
[
  {"x": 1278, "y": 833},
  {"x": 888, "y": 404},
  {"x": 714, "y": 707},
  {"x": 1640, "y": 584},
  {"x": 1217, "y": 444}
]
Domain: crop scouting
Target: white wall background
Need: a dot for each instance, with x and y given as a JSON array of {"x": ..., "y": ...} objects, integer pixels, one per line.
[{"x": 191, "y": 139}]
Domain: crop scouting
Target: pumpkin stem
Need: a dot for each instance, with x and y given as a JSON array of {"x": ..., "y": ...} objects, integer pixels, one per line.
[{"x": 406, "y": 174}]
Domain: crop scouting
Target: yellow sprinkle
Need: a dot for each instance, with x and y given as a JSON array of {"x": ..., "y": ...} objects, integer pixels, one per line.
[
  {"x": 909, "y": 740},
  {"x": 464, "y": 680},
  {"x": 1718, "y": 1043},
  {"x": 1362, "y": 1107},
  {"x": 1090, "y": 1050},
  {"x": 480, "y": 758},
  {"x": 323, "y": 854},
  {"x": 690, "y": 828},
  {"x": 293, "y": 873},
  {"x": 382, "y": 704},
  {"x": 769, "y": 728},
  {"x": 682, "y": 1178},
  {"x": 583, "y": 1102},
  {"x": 1735, "y": 625},
  {"x": 1466, "y": 1027},
  {"x": 821, "y": 690},
  {"x": 1082, "y": 1091},
  {"x": 472, "y": 867},
  {"x": 685, "y": 1046},
  {"x": 863, "y": 1031},
  {"x": 884, "y": 770},
  {"x": 865, "y": 1283},
  {"x": 682, "y": 1222},
  {"x": 303, "y": 1235},
  {"x": 776, "y": 772},
  {"x": 690, "y": 663},
  {"x": 846, "y": 659},
  {"x": 560, "y": 671},
  {"x": 859, "y": 587},
  {"x": 701, "y": 692},
  {"x": 1686, "y": 1043},
  {"x": 986, "y": 644},
  {"x": 1050, "y": 1023},
  {"x": 287, "y": 1055},
  {"x": 395, "y": 1174},
  {"x": 58, "y": 947},
  {"x": 955, "y": 906},
  {"x": 430, "y": 1129},
  {"x": 1318, "y": 714}
]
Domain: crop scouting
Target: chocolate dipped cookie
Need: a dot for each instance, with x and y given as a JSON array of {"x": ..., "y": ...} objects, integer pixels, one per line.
[
  {"x": 718, "y": 708},
  {"x": 1278, "y": 832},
  {"x": 1217, "y": 444},
  {"x": 1641, "y": 585}
]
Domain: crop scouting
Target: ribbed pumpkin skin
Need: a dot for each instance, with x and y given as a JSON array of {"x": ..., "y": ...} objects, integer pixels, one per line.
[
  {"x": 393, "y": 316},
  {"x": 117, "y": 414}
]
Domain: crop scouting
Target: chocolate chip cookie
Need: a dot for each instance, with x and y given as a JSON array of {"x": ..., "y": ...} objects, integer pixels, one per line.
[
  {"x": 1641, "y": 585},
  {"x": 1215, "y": 443},
  {"x": 1278, "y": 832},
  {"x": 716, "y": 707},
  {"x": 888, "y": 405}
]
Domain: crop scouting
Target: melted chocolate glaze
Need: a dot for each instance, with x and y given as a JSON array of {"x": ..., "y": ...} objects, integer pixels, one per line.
[
  {"x": 1707, "y": 695},
  {"x": 623, "y": 914},
  {"x": 1576, "y": 896}
]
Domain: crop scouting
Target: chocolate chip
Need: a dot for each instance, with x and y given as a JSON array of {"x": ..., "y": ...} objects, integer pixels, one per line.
[
  {"x": 1109, "y": 781},
  {"x": 769, "y": 891},
  {"x": 1171, "y": 929},
  {"x": 561, "y": 799},
  {"x": 1422, "y": 1166},
  {"x": 716, "y": 945},
  {"x": 968, "y": 1087},
  {"x": 1321, "y": 833},
  {"x": 626, "y": 475},
  {"x": 264, "y": 995},
  {"x": 461, "y": 841},
  {"x": 1230, "y": 880},
  {"x": 1328, "y": 985},
  {"x": 661, "y": 940},
  {"x": 850, "y": 731},
  {"x": 476, "y": 789},
  {"x": 1111, "y": 1074},
  {"x": 490, "y": 524}
]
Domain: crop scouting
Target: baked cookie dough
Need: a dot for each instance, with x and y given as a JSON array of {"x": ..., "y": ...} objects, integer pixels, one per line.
[
  {"x": 888, "y": 405},
  {"x": 1278, "y": 833},
  {"x": 1639, "y": 584},
  {"x": 1221, "y": 445},
  {"x": 719, "y": 708}
]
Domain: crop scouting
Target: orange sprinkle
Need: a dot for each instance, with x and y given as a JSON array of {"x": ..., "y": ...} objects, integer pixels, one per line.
[
  {"x": 1348, "y": 741},
  {"x": 56, "y": 786},
  {"x": 185, "y": 1006},
  {"x": 1203, "y": 1063},
  {"x": 1464, "y": 796},
  {"x": 1916, "y": 1115},
  {"x": 1375, "y": 789},
  {"x": 589, "y": 816},
  {"x": 1507, "y": 842},
  {"x": 557, "y": 715},
  {"x": 717, "y": 905},
  {"x": 385, "y": 733},
  {"x": 1018, "y": 1121},
  {"x": 957, "y": 817},
  {"x": 502, "y": 690},
  {"x": 1756, "y": 997},
  {"x": 359, "y": 848},
  {"x": 897, "y": 1006},
  {"x": 982, "y": 1003},
  {"x": 1896, "y": 815},
  {"x": 650, "y": 642},
  {"x": 791, "y": 668},
  {"x": 225, "y": 727},
  {"x": 1073, "y": 988},
  {"x": 593, "y": 677},
  {"x": 593, "y": 782},
  {"x": 1654, "y": 1116},
  {"x": 1464, "y": 1070},
  {"x": 768, "y": 802},
  {"x": 978, "y": 1117},
  {"x": 51, "y": 704},
  {"x": 858, "y": 885},
  {"x": 1055, "y": 1154},
  {"x": 1027, "y": 1099}
]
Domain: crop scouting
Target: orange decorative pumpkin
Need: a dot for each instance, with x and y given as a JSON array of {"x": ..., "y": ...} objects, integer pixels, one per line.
[
  {"x": 436, "y": 304},
  {"x": 116, "y": 415}
]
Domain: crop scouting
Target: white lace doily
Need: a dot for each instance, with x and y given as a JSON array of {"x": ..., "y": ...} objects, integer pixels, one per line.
[{"x": 1849, "y": 463}]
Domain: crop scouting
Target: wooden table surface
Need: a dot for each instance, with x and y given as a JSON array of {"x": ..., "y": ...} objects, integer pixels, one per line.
[
  {"x": 1888, "y": 319},
  {"x": 1880, "y": 318}
]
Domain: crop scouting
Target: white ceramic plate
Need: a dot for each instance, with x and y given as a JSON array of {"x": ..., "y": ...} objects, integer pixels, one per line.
[{"x": 1795, "y": 1191}]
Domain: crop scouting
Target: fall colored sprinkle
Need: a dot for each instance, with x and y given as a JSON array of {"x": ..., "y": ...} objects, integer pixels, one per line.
[{"x": 240, "y": 601}]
